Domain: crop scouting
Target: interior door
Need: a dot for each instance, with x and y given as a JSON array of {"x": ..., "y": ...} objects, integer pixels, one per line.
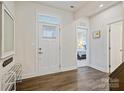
[
  {"x": 48, "y": 48},
  {"x": 115, "y": 45}
]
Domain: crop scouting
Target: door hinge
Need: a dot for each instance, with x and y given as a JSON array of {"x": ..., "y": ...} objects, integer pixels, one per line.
[
  {"x": 109, "y": 48},
  {"x": 109, "y": 29},
  {"x": 59, "y": 47},
  {"x": 59, "y": 65},
  {"x": 109, "y": 66}
]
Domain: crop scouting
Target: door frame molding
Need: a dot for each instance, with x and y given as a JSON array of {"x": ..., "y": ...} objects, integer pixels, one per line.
[
  {"x": 108, "y": 43},
  {"x": 37, "y": 45}
]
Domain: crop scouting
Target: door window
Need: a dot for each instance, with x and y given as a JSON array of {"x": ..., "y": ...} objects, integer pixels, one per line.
[{"x": 49, "y": 32}]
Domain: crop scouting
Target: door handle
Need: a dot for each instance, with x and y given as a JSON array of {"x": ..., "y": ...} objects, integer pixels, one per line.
[
  {"x": 40, "y": 52},
  {"x": 40, "y": 49}
]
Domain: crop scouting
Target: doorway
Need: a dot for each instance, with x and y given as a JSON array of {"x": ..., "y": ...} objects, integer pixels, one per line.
[
  {"x": 48, "y": 52},
  {"x": 81, "y": 51},
  {"x": 115, "y": 45}
]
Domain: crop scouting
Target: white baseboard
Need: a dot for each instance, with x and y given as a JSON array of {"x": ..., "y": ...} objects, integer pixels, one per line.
[
  {"x": 67, "y": 68},
  {"x": 64, "y": 68},
  {"x": 98, "y": 68},
  {"x": 28, "y": 75}
]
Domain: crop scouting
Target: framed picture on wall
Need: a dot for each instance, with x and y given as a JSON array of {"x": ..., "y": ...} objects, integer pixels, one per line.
[{"x": 96, "y": 34}]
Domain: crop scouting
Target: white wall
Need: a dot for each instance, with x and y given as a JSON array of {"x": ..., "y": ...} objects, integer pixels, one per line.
[
  {"x": 26, "y": 36},
  {"x": 98, "y": 47}
]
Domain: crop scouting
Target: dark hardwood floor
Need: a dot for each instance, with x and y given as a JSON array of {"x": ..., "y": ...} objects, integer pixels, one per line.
[{"x": 82, "y": 79}]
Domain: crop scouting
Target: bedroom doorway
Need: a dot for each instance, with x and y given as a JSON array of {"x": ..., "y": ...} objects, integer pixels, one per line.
[{"x": 81, "y": 51}]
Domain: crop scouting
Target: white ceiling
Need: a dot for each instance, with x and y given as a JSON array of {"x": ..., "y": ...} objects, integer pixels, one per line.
[
  {"x": 87, "y": 7},
  {"x": 65, "y": 5},
  {"x": 93, "y": 7}
]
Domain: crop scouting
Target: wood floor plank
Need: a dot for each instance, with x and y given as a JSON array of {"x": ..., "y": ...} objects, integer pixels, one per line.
[{"x": 82, "y": 79}]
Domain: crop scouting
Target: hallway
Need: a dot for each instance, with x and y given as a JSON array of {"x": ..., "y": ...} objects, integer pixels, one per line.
[
  {"x": 61, "y": 45},
  {"x": 83, "y": 79}
]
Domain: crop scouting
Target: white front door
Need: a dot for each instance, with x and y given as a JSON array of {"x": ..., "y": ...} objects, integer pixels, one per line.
[
  {"x": 115, "y": 45},
  {"x": 48, "y": 51}
]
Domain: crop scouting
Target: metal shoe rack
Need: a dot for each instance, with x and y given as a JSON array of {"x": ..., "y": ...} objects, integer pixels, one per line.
[{"x": 10, "y": 78}]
